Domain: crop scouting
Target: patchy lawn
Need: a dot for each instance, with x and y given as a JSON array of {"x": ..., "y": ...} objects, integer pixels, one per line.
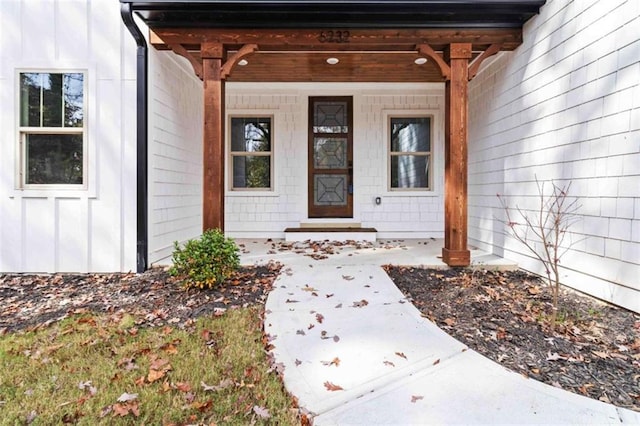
[
  {"x": 94, "y": 369},
  {"x": 118, "y": 355}
]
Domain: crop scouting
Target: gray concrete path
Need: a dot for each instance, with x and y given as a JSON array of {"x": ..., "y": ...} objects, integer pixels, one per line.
[{"x": 354, "y": 351}]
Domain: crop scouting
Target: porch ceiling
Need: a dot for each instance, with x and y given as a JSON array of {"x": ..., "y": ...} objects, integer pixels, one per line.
[{"x": 374, "y": 40}]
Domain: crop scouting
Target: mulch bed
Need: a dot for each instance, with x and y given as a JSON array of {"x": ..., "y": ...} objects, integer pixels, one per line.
[
  {"x": 593, "y": 351},
  {"x": 32, "y": 301}
]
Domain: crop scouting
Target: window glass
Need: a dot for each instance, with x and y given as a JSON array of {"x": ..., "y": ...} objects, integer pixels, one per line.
[
  {"x": 52, "y": 128},
  {"x": 251, "y": 152},
  {"x": 53, "y": 159},
  {"x": 410, "y": 153}
]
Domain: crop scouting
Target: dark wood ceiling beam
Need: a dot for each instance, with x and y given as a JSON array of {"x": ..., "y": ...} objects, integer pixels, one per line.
[{"x": 356, "y": 39}]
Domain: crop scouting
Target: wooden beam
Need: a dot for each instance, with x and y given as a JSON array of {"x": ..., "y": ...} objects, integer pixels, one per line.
[
  {"x": 347, "y": 39},
  {"x": 213, "y": 144},
  {"x": 245, "y": 50},
  {"x": 180, "y": 50},
  {"x": 455, "y": 251},
  {"x": 475, "y": 65},
  {"x": 426, "y": 50}
]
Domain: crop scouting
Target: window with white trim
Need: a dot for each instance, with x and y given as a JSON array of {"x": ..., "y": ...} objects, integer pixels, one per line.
[
  {"x": 251, "y": 153},
  {"x": 410, "y": 153},
  {"x": 52, "y": 130}
]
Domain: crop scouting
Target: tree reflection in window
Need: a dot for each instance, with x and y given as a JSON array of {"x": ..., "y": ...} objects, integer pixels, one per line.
[
  {"x": 51, "y": 126},
  {"x": 251, "y": 152},
  {"x": 410, "y": 153}
]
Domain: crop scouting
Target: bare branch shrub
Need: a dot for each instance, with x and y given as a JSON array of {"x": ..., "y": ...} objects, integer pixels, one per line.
[{"x": 544, "y": 231}]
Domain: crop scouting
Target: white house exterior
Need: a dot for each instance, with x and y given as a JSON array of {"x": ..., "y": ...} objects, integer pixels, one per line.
[{"x": 564, "y": 106}]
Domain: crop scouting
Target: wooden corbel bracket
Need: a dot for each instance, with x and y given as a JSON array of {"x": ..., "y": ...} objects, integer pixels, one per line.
[
  {"x": 425, "y": 49},
  {"x": 245, "y": 50},
  {"x": 180, "y": 50},
  {"x": 475, "y": 65}
]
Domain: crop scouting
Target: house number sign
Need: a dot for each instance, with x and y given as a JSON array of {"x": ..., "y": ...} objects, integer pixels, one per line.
[{"x": 339, "y": 36}]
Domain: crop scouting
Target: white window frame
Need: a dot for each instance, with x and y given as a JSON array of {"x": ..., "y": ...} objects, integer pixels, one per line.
[
  {"x": 233, "y": 154},
  {"x": 429, "y": 154},
  {"x": 24, "y": 131}
]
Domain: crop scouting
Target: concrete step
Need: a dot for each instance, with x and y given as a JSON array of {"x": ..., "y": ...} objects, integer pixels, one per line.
[{"x": 335, "y": 233}]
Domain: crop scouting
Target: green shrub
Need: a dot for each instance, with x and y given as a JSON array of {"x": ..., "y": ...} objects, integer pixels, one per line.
[{"x": 205, "y": 262}]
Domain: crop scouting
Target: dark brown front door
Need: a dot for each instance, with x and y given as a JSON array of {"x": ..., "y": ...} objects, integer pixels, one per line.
[{"x": 330, "y": 157}]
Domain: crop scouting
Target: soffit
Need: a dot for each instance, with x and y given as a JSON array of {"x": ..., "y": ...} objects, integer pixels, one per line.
[{"x": 373, "y": 40}]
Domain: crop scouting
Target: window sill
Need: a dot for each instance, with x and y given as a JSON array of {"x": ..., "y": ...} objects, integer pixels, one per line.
[
  {"x": 52, "y": 193},
  {"x": 401, "y": 194},
  {"x": 251, "y": 193}
]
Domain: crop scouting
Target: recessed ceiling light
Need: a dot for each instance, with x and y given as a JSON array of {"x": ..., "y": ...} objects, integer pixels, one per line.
[
  {"x": 332, "y": 61},
  {"x": 243, "y": 62},
  {"x": 420, "y": 61}
]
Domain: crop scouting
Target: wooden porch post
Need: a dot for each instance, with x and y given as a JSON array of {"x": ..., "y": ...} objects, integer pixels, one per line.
[
  {"x": 455, "y": 252},
  {"x": 213, "y": 144}
]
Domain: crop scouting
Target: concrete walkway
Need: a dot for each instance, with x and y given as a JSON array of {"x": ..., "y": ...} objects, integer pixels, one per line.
[{"x": 354, "y": 351}]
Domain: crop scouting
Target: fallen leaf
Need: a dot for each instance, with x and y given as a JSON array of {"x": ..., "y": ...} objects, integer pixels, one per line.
[
  {"x": 339, "y": 305},
  {"x": 123, "y": 409},
  {"x": 183, "y": 387},
  {"x": 415, "y": 398},
  {"x": 160, "y": 364},
  {"x": 261, "y": 412},
  {"x": 155, "y": 375},
  {"x": 298, "y": 362},
  {"x": 331, "y": 387},
  {"x": 329, "y": 295},
  {"x": 360, "y": 304},
  {"x": 601, "y": 354},
  {"x": 222, "y": 385},
  {"x": 105, "y": 411},
  {"x": 534, "y": 290},
  {"x": 335, "y": 361},
  {"x": 290, "y": 301},
  {"x": 308, "y": 288},
  {"x": 347, "y": 277},
  {"x": 202, "y": 406},
  {"x": 401, "y": 355},
  {"x": 126, "y": 397},
  {"x": 301, "y": 332},
  {"x": 31, "y": 417},
  {"x": 169, "y": 348},
  {"x": 319, "y": 318},
  {"x": 555, "y": 356}
]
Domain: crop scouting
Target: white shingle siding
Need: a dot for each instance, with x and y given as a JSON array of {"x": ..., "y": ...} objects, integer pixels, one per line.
[
  {"x": 78, "y": 230},
  {"x": 565, "y": 106},
  {"x": 268, "y": 213},
  {"x": 175, "y": 153}
]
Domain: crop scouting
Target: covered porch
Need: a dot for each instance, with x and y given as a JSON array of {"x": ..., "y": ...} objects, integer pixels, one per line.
[{"x": 382, "y": 42}]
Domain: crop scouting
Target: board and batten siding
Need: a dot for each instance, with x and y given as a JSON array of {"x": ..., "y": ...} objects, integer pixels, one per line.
[
  {"x": 565, "y": 106},
  {"x": 71, "y": 230},
  {"x": 175, "y": 153},
  {"x": 255, "y": 214}
]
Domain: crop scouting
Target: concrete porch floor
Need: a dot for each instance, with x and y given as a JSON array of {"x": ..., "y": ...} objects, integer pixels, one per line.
[{"x": 405, "y": 252}]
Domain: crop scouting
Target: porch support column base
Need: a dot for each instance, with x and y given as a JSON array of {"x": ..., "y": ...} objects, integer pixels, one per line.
[{"x": 456, "y": 257}]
